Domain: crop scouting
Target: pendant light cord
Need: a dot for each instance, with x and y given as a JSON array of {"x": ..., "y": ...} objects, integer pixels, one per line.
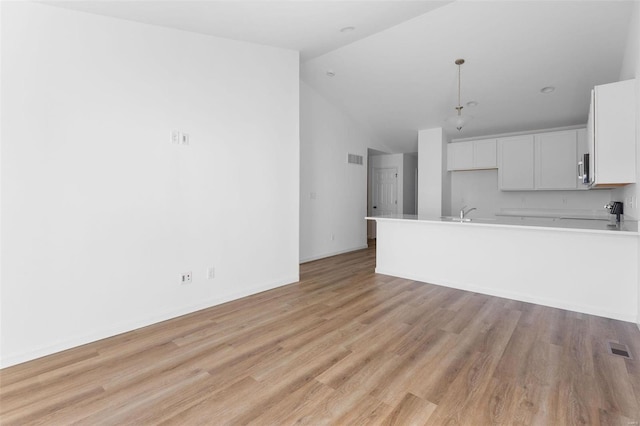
[{"x": 459, "y": 104}]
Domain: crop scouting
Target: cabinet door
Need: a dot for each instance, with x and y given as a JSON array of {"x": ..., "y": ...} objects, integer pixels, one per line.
[
  {"x": 460, "y": 156},
  {"x": 591, "y": 138},
  {"x": 583, "y": 148},
  {"x": 484, "y": 154},
  {"x": 615, "y": 133},
  {"x": 515, "y": 163},
  {"x": 555, "y": 160}
]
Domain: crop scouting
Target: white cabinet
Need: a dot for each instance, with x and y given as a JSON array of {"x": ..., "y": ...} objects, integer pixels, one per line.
[
  {"x": 484, "y": 154},
  {"x": 583, "y": 148},
  {"x": 516, "y": 163},
  {"x": 611, "y": 129},
  {"x": 556, "y": 155},
  {"x": 541, "y": 161},
  {"x": 460, "y": 156},
  {"x": 472, "y": 155}
]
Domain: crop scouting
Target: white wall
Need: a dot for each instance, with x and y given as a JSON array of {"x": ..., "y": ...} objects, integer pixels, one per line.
[
  {"x": 100, "y": 212},
  {"x": 409, "y": 184},
  {"x": 631, "y": 69},
  {"x": 479, "y": 189},
  {"x": 433, "y": 179},
  {"x": 333, "y": 193}
]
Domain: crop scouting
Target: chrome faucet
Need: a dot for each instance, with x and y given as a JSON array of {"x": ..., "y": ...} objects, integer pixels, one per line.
[{"x": 464, "y": 212}]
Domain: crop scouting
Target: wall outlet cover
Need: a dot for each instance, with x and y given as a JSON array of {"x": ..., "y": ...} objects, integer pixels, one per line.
[{"x": 186, "y": 278}]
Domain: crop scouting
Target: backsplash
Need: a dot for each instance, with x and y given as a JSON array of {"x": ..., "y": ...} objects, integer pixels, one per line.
[
  {"x": 479, "y": 189},
  {"x": 628, "y": 195}
]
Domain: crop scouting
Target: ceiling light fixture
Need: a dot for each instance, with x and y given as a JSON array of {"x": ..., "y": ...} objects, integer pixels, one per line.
[
  {"x": 547, "y": 89},
  {"x": 472, "y": 104},
  {"x": 459, "y": 120},
  {"x": 330, "y": 73},
  {"x": 347, "y": 29}
]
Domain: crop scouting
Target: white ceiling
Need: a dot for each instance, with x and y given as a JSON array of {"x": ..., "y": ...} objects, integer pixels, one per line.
[
  {"x": 311, "y": 27},
  {"x": 404, "y": 79},
  {"x": 395, "y": 74}
]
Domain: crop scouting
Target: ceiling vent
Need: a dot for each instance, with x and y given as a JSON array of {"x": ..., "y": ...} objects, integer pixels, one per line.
[{"x": 354, "y": 159}]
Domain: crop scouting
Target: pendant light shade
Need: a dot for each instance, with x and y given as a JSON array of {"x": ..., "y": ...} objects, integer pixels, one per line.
[{"x": 459, "y": 120}]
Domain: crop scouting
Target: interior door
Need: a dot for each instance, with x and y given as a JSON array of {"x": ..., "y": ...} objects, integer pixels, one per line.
[{"x": 385, "y": 191}]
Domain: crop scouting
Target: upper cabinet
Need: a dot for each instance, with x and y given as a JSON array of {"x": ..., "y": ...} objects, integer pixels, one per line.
[
  {"x": 484, "y": 154},
  {"x": 555, "y": 160},
  {"x": 472, "y": 155},
  {"x": 611, "y": 135},
  {"x": 516, "y": 163},
  {"x": 541, "y": 161},
  {"x": 460, "y": 156}
]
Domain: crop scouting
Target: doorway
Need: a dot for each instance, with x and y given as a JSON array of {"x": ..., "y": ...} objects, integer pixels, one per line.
[
  {"x": 385, "y": 191},
  {"x": 383, "y": 195}
]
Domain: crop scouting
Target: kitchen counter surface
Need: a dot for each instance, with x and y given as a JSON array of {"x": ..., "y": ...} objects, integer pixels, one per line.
[{"x": 561, "y": 224}]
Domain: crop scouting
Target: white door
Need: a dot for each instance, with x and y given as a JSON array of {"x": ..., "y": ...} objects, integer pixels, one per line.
[{"x": 385, "y": 191}]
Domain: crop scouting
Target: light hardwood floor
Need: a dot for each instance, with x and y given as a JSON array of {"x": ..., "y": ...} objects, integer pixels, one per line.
[{"x": 342, "y": 346}]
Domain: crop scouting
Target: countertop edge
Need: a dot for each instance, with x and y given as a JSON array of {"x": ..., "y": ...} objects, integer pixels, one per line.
[{"x": 508, "y": 225}]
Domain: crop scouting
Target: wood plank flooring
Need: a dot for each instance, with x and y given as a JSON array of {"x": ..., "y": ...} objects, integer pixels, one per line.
[{"x": 342, "y": 346}]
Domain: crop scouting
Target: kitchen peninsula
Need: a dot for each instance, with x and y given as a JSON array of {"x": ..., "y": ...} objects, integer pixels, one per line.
[{"x": 579, "y": 265}]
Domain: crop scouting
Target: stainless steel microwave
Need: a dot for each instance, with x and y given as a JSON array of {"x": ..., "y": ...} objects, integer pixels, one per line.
[{"x": 583, "y": 170}]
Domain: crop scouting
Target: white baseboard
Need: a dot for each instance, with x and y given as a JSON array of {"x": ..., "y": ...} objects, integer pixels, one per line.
[
  {"x": 591, "y": 310},
  {"x": 127, "y": 326},
  {"x": 335, "y": 253}
]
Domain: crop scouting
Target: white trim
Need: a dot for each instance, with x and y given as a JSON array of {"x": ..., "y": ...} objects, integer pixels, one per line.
[
  {"x": 525, "y": 132},
  {"x": 128, "y": 326},
  {"x": 528, "y": 225},
  {"x": 335, "y": 253}
]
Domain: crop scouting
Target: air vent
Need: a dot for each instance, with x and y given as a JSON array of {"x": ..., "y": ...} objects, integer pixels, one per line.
[
  {"x": 619, "y": 349},
  {"x": 354, "y": 159}
]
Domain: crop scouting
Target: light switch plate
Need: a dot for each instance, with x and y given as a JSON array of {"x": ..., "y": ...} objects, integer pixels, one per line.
[
  {"x": 175, "y": 137},
  {"x": 184, "y": 139},
  {"x": 185, "y": 278}
]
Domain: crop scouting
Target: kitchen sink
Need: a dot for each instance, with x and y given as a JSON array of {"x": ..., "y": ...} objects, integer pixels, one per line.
[{"x": 455, "y": 219}]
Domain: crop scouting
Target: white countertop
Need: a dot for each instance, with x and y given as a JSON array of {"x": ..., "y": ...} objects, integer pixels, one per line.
[{"x": 560, "y": 224}]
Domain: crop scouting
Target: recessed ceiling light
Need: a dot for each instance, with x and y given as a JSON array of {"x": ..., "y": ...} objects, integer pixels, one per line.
[
  {"x": 547, "y": 89},
  {"x": 330, "y": 73},
  {"x": 347, "y": 29},
  {"x": 472, "y": 104}
]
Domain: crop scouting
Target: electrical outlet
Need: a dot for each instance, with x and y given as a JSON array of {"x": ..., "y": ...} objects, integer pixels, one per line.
[
  {"x": 185, "y": 278},
  {"x": 184, "y": 139},
  {"x": 333, "y": 237},
  {"x": 211, "y": 273}
]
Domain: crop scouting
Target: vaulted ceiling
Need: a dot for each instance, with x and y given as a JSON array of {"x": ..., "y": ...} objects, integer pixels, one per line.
[{"x": 395, "y": 72}]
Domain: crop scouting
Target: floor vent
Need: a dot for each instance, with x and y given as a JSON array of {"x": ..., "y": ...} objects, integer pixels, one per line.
[{"x": 619, "y": 349}]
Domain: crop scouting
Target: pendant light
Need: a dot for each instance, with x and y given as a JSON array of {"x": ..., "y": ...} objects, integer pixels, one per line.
[{"x": 459, "y": 120}]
